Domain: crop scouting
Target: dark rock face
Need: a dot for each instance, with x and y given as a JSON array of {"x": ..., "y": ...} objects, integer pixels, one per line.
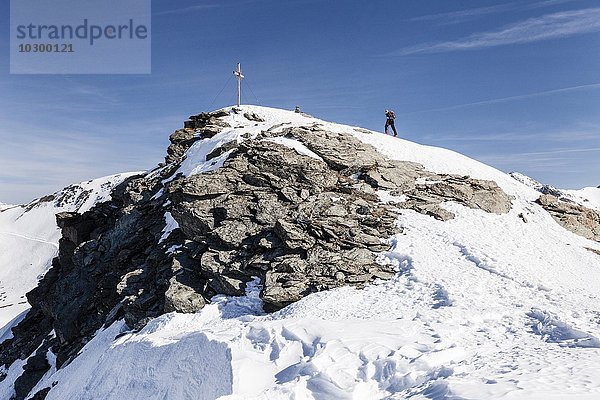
[
  {"x": 92, "y": 281},
  {"x": 31, "y": 340},
  {"x": 578, "y": 219},
  {"x": 99, "y": 250},
  {"x": 299, "y": 224},
  {"x": 41, "y": 395},
  {"x": 34, "y": 370}
]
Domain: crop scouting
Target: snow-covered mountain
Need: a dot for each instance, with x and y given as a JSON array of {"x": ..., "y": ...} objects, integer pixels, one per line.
[
  {"x": 588, "y": 196},
  {"x": 29, "y": 238},
  {"x": 389, "y": 269}
]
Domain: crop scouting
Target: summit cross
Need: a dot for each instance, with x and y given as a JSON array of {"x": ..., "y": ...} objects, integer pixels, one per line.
[{"x": 239, "y": 76}]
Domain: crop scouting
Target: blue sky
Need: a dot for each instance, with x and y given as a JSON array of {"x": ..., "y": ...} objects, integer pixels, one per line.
[{"x": 513, "y": 84}]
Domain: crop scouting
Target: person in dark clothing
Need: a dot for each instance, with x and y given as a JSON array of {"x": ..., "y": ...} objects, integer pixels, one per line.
[{"x": 391, "y": 116}]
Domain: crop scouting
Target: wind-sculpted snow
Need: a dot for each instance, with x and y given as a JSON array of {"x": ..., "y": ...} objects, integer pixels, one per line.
[
  {"x": 273, "y": 357},
  {"x": 489, "y": 297},
  {"x": 553, "y": 330}
]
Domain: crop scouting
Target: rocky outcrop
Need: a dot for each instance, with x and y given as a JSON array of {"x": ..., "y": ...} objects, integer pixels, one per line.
[
  {"x": 299, "y": 224},
  {"x": 578, "y": 219},
  {"x": 287, "y": 218},
  {"x": 207, "y": 121},
  {"x": 198, "y": 127},
  {"x": 425, "y": 191},
  {"x": 181, "y": 140},
  {"x": 252, "y": 116}
]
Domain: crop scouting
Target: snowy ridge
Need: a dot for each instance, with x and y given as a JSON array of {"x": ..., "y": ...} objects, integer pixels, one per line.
[
  {"x": 4, "y": 206},
  {"x": 587, "y": 197},
  {"x": 435, "y": 159},
  {"x": 29, "y": 238},
  {"x": 484, "y": 306}
]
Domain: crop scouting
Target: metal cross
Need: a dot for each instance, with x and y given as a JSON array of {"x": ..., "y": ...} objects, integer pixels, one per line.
[{"x": 239, "y": 76}]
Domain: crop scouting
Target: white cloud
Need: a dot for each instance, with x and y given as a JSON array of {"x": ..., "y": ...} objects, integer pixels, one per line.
[
  {"x": 203, "y": 7},
  {"x": 558, "y": 136},
  {"x": 472, "y": 13},
  {"x": 550, "y": 26},
  {"x": 191, "y": 9},
  {"x": 563, "y": 151},
  {"x": 509, "y": 98}
]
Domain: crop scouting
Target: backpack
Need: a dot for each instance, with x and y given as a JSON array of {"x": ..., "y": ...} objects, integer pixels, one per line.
[{"x": 391, "y": 115}]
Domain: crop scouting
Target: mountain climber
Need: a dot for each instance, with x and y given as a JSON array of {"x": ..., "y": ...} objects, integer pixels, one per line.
[{"x": 391, "y": 116}]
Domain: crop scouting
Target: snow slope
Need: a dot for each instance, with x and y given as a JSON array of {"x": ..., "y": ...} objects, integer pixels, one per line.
[
  {"x": 484, "y": 306},
  {"x": 29, "y": 238}
]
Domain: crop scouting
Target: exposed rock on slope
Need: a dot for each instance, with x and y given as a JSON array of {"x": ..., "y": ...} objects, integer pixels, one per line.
[
  {"x": 4, "y": 206},
  {"x": 572, "y": 211},
  {"x": 300, "y": 208},
  {"x": 201, "y": 126},
  {"x": 578, "y": 219}
]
